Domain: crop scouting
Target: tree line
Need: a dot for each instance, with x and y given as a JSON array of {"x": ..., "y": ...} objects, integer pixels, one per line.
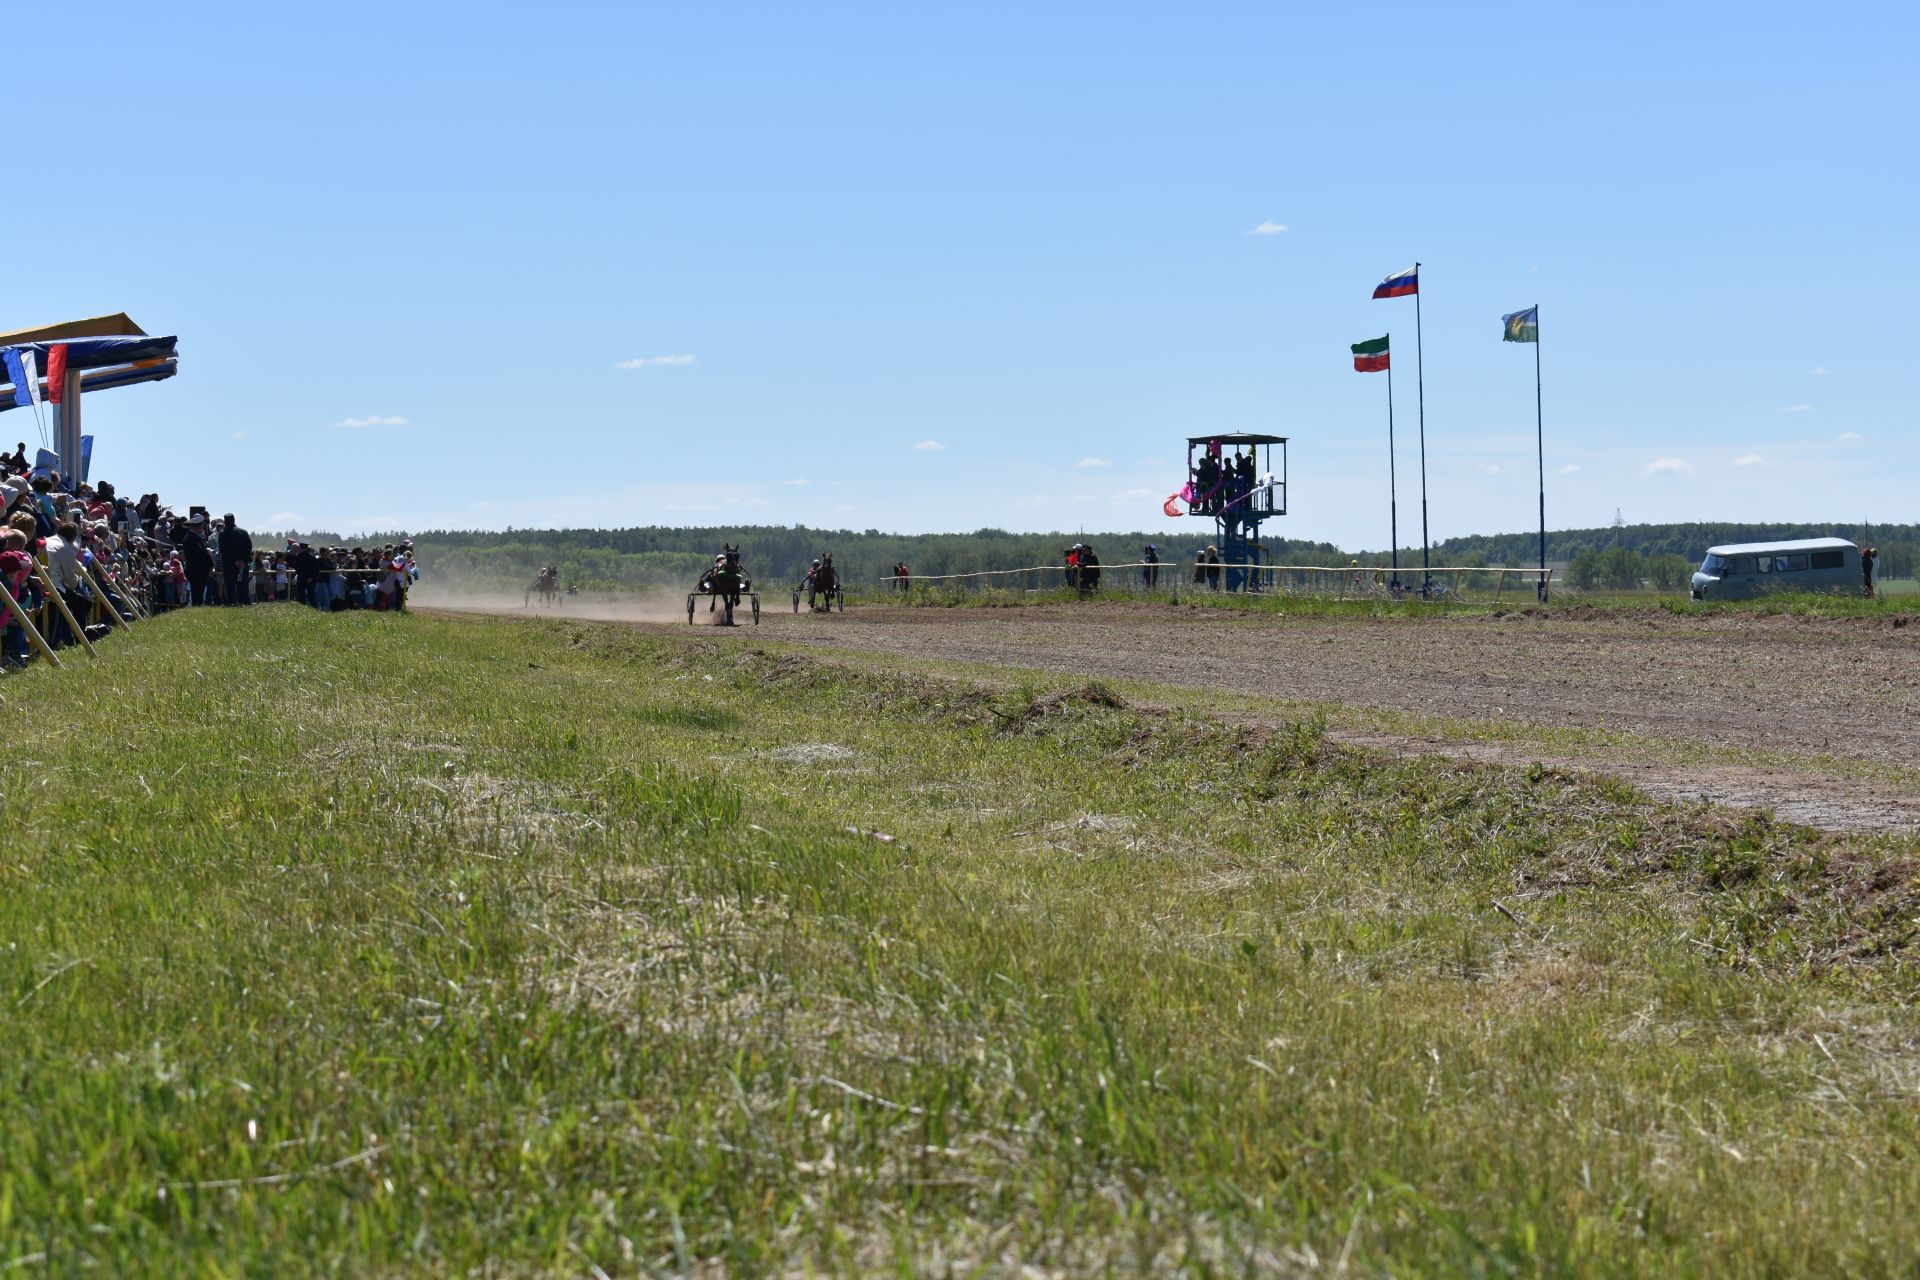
[
  {"x": 662, "y": 556},
  {"x": 668, "y": 556},
  {"x": 1899, "y": 544}
]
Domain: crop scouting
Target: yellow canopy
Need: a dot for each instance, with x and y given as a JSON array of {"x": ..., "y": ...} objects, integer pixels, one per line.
[{"x": 94, "y": 327}]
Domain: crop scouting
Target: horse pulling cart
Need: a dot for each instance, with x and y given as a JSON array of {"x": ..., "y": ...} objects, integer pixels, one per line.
[
  {"x": 547, "y": 587},
  {"x": 724, "y": 587},
  {"x": 822, "y": 589}
]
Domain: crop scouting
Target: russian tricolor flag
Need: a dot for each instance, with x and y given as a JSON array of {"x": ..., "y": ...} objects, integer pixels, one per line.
[
  {"x": 1399, "y": 284},
  {"x": 24, "y": 373}
]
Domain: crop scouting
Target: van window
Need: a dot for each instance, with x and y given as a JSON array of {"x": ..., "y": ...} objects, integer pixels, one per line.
[
  {"x": 1829, "y": 560},
  {"x": 1795, "y": 563},
  {"x": 1764, "y": 564},
  {"x": 1713, "y": 564},
  {"x": 1739, "y": 566}
]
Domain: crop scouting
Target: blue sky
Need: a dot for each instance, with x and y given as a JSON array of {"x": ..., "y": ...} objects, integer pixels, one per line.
[{"x": 1024, "y": 234}]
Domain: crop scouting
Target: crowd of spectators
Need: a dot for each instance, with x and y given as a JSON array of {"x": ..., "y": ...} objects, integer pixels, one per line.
[{"x": 109, "y": 558}]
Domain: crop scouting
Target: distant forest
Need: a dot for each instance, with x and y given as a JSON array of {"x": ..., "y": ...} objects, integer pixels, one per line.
[
  {"x": 629, "y": 559},
  {"x": 1897, "y": 542}
]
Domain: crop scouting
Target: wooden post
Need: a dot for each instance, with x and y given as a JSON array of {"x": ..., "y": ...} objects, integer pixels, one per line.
[
  {"x": 20, "y": 616},
  {"x": 128, "y": 594},
  {"x": 105, "y": 602},
  {"x": 61, "y": 604}
]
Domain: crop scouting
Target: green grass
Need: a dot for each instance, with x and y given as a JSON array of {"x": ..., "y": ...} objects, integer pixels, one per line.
[{"x": 396, "y": 945}]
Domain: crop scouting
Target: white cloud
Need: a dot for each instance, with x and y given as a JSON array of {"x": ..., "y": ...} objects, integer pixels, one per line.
[
  {"x": 691, "y": 506},
  {"x": 1094, "y": 462},
  {"x": 1487, "y": 468},
  {"x": 1821, "y": 372},
  {"x": 286, "y": 520},
  {"x": 1668, "y": 467},
  {"x": 1795, "y": 408},
  {"x": 746, "y": 502},
  {"x": 1567, "y": 470},
  {"x": 1752, "y": 460},
  {"x": 645, "y": 362},
  {"x": 1533, "y": 271},
  {"x": 1268, "y": 228},
  {"x": 1132, "y": 495},
  {"x": 240, "y": 435},
  {"x": 798, "y": 482},
  {"x": 372, "y": 420},
  {"x": 1849, "y": 437},
  {"x": 929, "y": 446}
]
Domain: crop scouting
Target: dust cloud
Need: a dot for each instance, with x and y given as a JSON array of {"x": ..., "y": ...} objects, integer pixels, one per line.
[{"x": 588, "y": 606}]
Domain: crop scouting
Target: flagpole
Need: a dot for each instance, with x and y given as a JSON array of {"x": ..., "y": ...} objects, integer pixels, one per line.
[
  {"x": 1393, "y": 497},
  {"x": 1420, "y": 377},
  {"x": 1540, "y": 437}
]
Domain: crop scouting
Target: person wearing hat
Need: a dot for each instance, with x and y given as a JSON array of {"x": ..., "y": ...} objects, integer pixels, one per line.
[
  {"x": 1213, "y": 567},
  {"x": 1867, "y": 556},
  {"x": 236, "y": 557},
  {"x": 1150, "y": 555},
  {"x": 198, "y": 559}
]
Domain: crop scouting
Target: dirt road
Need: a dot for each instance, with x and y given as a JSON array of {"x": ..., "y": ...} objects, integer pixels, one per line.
[
  {"x": 1845, "y": 689},
  {"x": 1782, "y": 703}
]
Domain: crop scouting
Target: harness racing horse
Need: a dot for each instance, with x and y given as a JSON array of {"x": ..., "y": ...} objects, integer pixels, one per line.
[
  {"x": 823, "y": 588},
  {"x": 724, "y": 584},
  {"x": 546, "y": 586}
]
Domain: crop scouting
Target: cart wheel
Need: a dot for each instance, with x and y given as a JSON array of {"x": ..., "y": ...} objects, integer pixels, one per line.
[
  {"x": 756, "y": 611},
  {"x": 689, "y": 610}
]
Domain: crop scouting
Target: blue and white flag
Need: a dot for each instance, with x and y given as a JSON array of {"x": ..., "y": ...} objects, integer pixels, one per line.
[{"x": 23, "y": 370}]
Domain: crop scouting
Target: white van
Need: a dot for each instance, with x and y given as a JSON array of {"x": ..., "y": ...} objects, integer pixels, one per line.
[{"x": 1748, "y": 569}]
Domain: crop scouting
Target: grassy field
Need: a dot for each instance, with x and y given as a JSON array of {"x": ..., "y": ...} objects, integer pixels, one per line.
[{"x": 380, "y": 944}]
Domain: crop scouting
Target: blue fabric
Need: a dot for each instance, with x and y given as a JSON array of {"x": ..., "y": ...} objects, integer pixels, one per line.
[
  {"x": 127, "y": 375},
  {"x": 99, "y": 353},
  {"x": 17, "y": 375},
  {"x": 95, "y": 353}
]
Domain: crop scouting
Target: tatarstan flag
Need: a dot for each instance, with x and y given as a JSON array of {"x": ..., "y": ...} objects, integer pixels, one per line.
[{"x": 1370, "y": 357}]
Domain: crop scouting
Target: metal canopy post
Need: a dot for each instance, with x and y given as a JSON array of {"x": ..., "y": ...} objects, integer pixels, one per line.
[{"x": 66, "y": 430}]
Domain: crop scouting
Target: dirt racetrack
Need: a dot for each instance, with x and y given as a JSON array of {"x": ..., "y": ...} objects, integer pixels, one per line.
[
  {"x": 1752, "y": 686},
  {"x": 1783, "y": 706}
]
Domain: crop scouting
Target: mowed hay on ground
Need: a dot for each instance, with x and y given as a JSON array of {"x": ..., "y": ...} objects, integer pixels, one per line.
[{"x": 391, "y": 944}]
